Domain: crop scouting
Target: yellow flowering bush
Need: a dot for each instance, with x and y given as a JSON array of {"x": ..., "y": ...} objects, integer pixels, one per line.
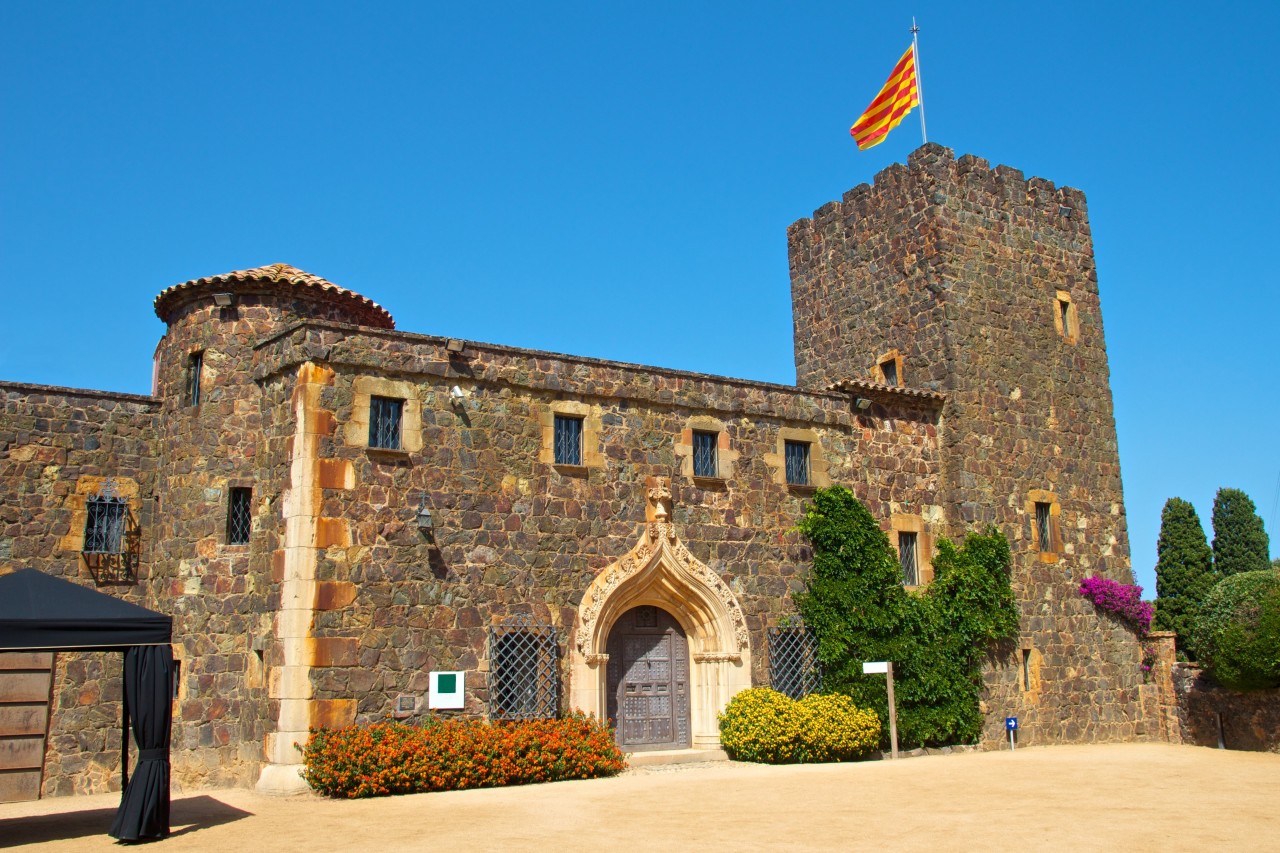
[{"x": 763, "y": 725}]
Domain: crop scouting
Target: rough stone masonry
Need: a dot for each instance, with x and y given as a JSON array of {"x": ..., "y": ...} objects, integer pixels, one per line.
[{"x": 951, "y": 371}]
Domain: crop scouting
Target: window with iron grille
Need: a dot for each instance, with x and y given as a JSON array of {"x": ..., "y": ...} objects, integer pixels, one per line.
[
  {"x": 239, "y": 518},
  {"x": 797, "y": 459},
  {"x": 889, "y": 368},
  {"x": 523, "y": 679},
  {"x": 384, "y": 422},
  {"x": 195, "y": 364},
  {"x": 907, "y": 554},
  {"x": 568, "y": 440},
  {"x": 705, "y": 462},
  {"x": 105, "y": 524},
  {"x": 793, "y": 661},
  {"x": 1044, "y": 526}
]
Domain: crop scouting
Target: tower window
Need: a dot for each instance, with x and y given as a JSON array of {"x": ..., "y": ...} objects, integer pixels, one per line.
[
  {"x": 1044, "y": 526},
  {"x": 907, "y": 556},
  {"x": 195, "y": 365},
  {"x": 239, "y": 517},
  {"x": 1064, "y": 313},
  {"x": 1026, "y": 669},
  {"x": 797, "y": 461},
  {"x": 568, "y": 440},
  {"x": 705, "y": 463},
  {"x": 889, "y": 368},
  {"x": 384, "y": 422}
]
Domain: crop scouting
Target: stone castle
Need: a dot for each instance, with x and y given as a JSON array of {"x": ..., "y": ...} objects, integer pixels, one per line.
[{"x": 333, "y": 510}]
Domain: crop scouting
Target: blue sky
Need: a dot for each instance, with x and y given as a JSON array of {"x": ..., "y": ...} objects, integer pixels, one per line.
[{"x": 616, "y": 181}]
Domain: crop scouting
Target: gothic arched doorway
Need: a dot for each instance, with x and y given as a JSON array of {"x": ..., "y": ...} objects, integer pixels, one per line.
[{"x": 648, "y": 680}]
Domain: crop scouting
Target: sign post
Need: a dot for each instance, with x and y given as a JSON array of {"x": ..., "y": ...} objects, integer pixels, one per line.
[
  {"x": 1011, "y": 725},
  {"x": 873, "y": 667}
]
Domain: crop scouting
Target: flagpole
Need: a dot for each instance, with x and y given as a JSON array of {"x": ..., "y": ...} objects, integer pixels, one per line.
[{"x": 915, "y": 57}]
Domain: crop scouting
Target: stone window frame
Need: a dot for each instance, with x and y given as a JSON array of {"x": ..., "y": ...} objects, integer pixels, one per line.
[
  {"x": 78, "y": 503},
  {"x": 726, "y": 456},
  {"x": 363, "y": 389},
  {"x": 819, "y": 477},
  {"x": 888, "y": 357},
  {"x": 231, "y": 488},
  {"x": 903, "y": 522},
  {"x": 1063, "y": 304},
  {"x": 1054, "y": 552},
  {"x": 592, "y": 454}
]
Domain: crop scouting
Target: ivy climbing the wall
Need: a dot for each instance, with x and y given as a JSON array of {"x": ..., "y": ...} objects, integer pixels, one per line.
[{"x": 856, "y": 605}]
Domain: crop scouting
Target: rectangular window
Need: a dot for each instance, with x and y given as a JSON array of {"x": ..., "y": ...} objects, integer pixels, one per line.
[
  {"x": 890, "y": 370},
  {"x": 1044, "y": 527},
  {"x": 907, "y": 554},
  {"x": 195, "y": 363},
  {"x": 523, "y": 679},
  {"x": 705, "y": 463},
  {"x": 384, "y": 422},
  {"x": 794, "y": 669},
  {"x": 568, "y": 440},
  {"x": 1064, "y": 311},
  {"x": 104, "y": 525},
  {"x": 239, "y": 518},
  {"x": 797, "y": 459}
]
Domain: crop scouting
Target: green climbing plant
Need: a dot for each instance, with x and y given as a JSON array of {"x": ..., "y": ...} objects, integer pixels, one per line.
[{"x": 858, "y": 609}]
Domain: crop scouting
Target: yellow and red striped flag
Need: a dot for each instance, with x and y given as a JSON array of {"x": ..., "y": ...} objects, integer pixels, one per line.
[{"x": 899, "y": 95}]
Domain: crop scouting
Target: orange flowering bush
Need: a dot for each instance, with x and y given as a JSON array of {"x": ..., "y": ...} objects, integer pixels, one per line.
[{"x": 451, "y": 755}]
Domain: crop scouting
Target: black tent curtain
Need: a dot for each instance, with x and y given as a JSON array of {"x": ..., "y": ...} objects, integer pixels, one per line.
[{"x": 148, "y": 685}]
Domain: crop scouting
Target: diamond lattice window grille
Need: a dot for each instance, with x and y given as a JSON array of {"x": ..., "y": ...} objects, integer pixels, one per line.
[
  {"x": 524, "y": 680},
  {"x": 794, "y": 669},
  {"x": 239, "y": 517}
]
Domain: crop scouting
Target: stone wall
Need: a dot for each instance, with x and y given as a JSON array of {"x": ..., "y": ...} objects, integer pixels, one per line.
[
  {"x": 515, "y": 533},
  {"x": 57, "y": 447},
  {"x": 1209, "y": 713},
  {"x": 965, "y": 273}
]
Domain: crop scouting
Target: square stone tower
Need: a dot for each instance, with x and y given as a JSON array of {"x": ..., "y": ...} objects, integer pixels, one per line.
[{"x": 979, "y": 283}]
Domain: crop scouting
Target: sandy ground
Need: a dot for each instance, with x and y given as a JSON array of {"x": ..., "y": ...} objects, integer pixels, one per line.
[{"x": 1108, "y": 797}]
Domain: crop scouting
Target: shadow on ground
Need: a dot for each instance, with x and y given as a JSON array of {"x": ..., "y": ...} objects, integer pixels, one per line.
[{"x": 187, "y": 815}]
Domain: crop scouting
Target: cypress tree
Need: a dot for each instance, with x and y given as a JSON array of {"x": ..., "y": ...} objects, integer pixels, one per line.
[
  {"x": 1184, "y": 572},
  {"x": 1239, "y": 540}
]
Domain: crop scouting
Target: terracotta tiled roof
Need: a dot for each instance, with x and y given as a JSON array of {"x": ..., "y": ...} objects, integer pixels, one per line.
[
  {"x": 365, "y": 312},
  {"x": 857, "y": 385}
]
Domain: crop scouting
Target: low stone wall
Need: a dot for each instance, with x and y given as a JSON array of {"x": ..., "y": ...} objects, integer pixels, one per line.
[{"x": 1250, "y": 720}]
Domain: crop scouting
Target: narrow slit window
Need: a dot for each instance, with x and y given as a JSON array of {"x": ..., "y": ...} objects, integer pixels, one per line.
[
  {"x": 1044, "y": 527},
  {"x": 195, "y": 366},
  {"x": 1026, "y": 669},
  {"x": 239, "y": 517},
  {"x": 1064, "y": 312},
  {"x": 907, "y": 555},
  {"x": 797, "y": 461},
  {"x": 705, "y": 463},
  {"x": 568, "y": 440},
  {"x": 384, "y": 422},
  {"x": 889, "y": 368}
]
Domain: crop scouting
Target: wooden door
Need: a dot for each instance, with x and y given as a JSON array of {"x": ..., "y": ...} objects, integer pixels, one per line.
[{"x": 649, "y": 680}]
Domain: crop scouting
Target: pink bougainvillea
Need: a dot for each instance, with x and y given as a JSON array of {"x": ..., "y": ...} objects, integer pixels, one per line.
[{"x": 1122, "y": 599}]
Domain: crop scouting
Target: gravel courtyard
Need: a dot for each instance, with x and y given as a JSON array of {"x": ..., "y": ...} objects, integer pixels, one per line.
[{"x": 1100, "y": 797}]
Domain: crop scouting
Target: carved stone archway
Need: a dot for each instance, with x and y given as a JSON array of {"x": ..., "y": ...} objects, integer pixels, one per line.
[{"x": 660, "y": 571}]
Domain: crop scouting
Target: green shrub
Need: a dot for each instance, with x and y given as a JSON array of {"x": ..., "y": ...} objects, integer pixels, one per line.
[
  {"x": 1237, "y": 633},
  {"x": 763, "y": 725},
  {"x": 393, "y": 758},
  {"x": 857, "y": 607}
]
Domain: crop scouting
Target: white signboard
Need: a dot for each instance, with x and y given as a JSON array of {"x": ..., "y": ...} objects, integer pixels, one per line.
[
  {"x": 872, "y": 667},
  {"x": 447, "y": 690}
]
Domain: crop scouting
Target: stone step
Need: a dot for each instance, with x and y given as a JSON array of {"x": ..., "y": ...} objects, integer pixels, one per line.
[{"x": 674, "y": 756}]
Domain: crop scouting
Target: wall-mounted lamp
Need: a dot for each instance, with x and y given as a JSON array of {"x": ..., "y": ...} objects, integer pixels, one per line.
[
  {"x": 456, "y": 395},
  {"x": 862, "y": 403},
  {"x": 224, "y": 300},
  {"x": 1064, "y": 211},
  {"x": 425, "y": 522},
  {"x": 455, "y": 345}
]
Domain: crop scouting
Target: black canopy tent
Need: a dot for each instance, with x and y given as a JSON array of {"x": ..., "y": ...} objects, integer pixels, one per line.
[{"x": 39, "y": 612}]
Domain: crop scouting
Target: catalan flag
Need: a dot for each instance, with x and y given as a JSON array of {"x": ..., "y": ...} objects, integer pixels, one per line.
[{"x": 899, "y": 95}]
